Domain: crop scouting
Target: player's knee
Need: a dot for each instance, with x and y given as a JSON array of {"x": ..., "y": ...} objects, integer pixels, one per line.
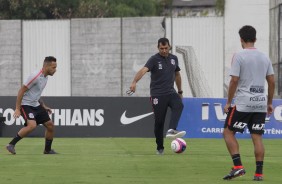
[
  {"x": 49, "y": 125},
  {"x": 31, "y": 125},
  {"x": 226, "y": 132}
]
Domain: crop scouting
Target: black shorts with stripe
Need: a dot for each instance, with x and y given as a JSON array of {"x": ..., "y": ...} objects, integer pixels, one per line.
[
  {"x": 237, "y": 121},
  {"x": 39, "y": 114}
]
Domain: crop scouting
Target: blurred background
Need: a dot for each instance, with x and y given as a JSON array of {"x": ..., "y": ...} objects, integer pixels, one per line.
[{"x": 101, "y": 44}]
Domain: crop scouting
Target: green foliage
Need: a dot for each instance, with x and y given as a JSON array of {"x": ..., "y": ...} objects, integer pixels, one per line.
[
  {"x": 60, "y": 9},
  {"x": 133, "y": 8},
  {"x": 220, "y": 5},
  {"x": 37, "y": 9},
  {"x": 91, "y": 9}
]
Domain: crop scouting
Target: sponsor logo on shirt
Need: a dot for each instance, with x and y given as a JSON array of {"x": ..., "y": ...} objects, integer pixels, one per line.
[
  {"x": 255, "y": 106},
  {"x": 160, "y": 66},
  {"x": 257, "y": 89},
  {"x": 257, "y": 99}
]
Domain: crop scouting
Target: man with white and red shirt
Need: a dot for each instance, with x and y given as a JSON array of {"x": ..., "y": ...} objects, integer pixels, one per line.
[
  {"x": 32, "y": 108},
  {"x": 249, "y": 70}
]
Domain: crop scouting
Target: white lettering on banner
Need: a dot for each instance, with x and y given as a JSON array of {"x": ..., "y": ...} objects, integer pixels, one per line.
[
  {"x": 8, "y": 113},
  {"x": 10, "y": 120},
  {"x": 59, "y": 116},
  {"x": 88, "y": 117},
  {"x": 278, "y": 113},
  {"x": 212, "y": 130},
  {"x": 205, "y": 111},
  {"x": 99, "y": 116},
  {"x": 271, "y": 131},
  {"x": 76, "y": 118},
  {"x": 220, "y": 115},
  {"x": 63, "y": 117}
]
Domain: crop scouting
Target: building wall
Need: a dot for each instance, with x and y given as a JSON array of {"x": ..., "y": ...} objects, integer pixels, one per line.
[
  {"x": 274, "y": 13},
  {"x": 205, "y": 36},
  {"x": 10, "y": 57},
  {"x": 106, "y": 54},
  {"x": 139, "y": 43},
  {"x": 95, "y": 54},
  {"x": 48, "y": 38},
  {"x": 239, "y": 13},
  {"x": 274, "y": 48}
]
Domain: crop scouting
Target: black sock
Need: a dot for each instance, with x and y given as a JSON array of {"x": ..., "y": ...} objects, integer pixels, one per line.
[
  {"x": 236, "y": 160},
  {"x": 48, "y": 144},
  {"x": 15, "y": 140},
  {"x": 259, "y": 166}
]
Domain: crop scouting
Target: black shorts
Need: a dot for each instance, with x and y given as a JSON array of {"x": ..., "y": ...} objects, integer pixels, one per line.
[
  {"x": 237, "y": 121},
  {"x": 39, "y": 114}
]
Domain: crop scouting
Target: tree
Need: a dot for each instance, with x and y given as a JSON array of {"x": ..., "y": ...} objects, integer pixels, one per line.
[
  {"x": 37, "y": 9},
  {"x": 133, "y": 8},
  {"x": 92, "y": 9},
  {"x": 220, "y": 5},
  {"x": 62, "y": 9}
]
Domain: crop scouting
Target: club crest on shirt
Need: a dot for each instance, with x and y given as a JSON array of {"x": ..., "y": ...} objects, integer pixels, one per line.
[
  {"x": 172, "y": 61},
  {"x": 160, "y": 66},
  {"x": 30, "y": 115},
  {"x": 155, "y": 101}
]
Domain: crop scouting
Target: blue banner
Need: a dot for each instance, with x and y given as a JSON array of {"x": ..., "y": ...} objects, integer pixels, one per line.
[{"x": 204, "y": 118}]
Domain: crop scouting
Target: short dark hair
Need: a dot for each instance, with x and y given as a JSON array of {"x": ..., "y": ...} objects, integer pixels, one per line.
[
  {"x": 248, "y": 33},
  {"x": 163, "y": 41},
  {"x": 50, "y": 59}
]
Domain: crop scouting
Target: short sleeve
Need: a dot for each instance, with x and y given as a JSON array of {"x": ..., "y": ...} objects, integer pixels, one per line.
[
  {"x": 235, "y": 66},
  {"x": 177, "y": 69},
  {"x": 150, "y": 63},
  {"x": 31, "y": 80},
  {"x": 269, "y": 69}
]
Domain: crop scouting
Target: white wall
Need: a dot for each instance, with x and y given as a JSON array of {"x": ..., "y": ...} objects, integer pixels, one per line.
[
  {"x": 245, "y": 12},
  {"x": 10, "y": 57},
  {"x": 205, "y": 35},
  {"x": 48, "y": 38}
]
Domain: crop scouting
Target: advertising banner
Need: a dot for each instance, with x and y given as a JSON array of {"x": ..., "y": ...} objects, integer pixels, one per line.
[
  {"x": 87, "y": 117},
  {"x": 204, "y": 118},
  {"x": 129, "y": 117}
]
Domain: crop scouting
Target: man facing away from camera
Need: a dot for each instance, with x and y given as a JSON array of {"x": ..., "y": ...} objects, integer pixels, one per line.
[{"x": 249, "y": 70}]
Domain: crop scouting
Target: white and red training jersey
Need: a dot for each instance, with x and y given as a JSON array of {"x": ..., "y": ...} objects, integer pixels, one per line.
[
  {"x": 35, "y": 83},
  {"x": 252, "y": 67}
]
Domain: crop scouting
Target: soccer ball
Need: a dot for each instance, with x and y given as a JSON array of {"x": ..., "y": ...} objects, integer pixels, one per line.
[{"x": 178, "y": 145}]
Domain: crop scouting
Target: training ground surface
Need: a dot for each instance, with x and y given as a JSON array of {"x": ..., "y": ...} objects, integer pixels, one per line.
[{"x": 131, "y": 160}]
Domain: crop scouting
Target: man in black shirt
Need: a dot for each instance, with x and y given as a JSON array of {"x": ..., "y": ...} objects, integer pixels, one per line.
[{"x": 164, "y": 72}]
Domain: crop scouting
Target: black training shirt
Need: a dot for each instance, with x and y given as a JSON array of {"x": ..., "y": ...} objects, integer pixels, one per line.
[{"x": 162, "y": 74}]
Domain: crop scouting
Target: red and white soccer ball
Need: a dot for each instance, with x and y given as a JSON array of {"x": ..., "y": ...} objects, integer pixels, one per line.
[{"x": 178, "y": 145}]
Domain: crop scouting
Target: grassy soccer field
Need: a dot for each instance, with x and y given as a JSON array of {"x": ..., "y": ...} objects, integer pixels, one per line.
[{"x": 131, "y": 160}]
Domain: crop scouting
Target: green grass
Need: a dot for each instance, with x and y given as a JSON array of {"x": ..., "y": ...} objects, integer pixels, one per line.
[{"x": 131, "y": 160}]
